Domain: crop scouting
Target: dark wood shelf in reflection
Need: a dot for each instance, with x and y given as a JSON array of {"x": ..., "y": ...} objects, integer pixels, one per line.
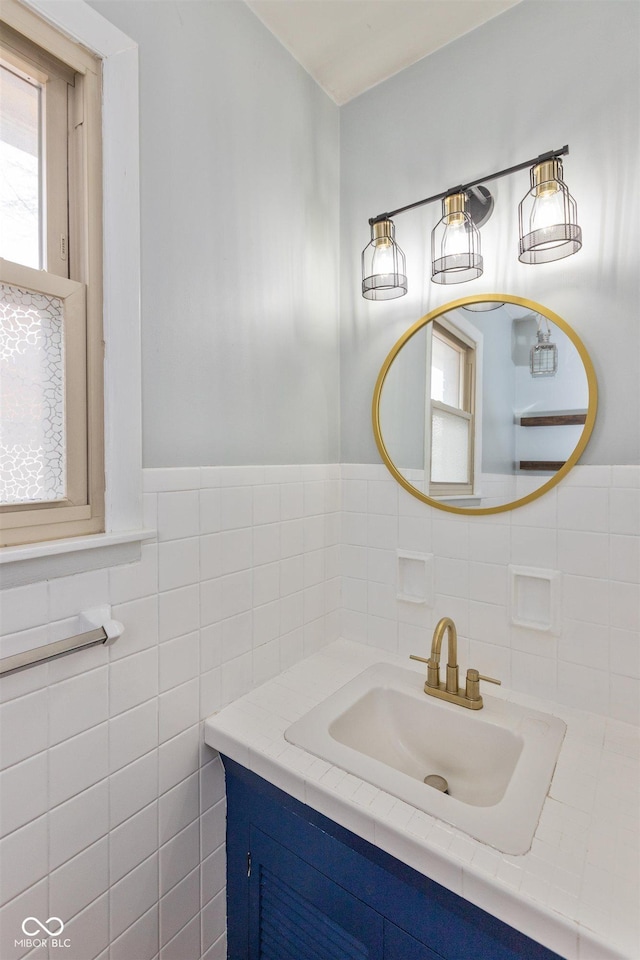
[
  {"x": 551, "y": 465},
  {"x": 554, "y": 420}
]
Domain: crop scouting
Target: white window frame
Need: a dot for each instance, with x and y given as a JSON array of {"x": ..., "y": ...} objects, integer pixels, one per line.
[{"x": 121, "y": 311}]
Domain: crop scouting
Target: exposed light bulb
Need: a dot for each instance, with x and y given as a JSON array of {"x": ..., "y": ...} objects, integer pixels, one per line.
[
  {"x": 547, "y": 212},
  {"x": 383, "y": 260},
  {"x": 456, "y": 239}
]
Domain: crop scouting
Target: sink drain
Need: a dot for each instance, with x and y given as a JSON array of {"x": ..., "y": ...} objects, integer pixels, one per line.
[{"x": 437, "y": 782}]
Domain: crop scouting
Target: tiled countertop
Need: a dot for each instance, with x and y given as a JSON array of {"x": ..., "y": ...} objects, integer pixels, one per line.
[{"x": 576, "y": 891}]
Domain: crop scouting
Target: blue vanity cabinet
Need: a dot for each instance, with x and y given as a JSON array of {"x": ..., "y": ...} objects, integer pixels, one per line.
[
  {"x": 300, "y": 887},
  {"x": 399, "y": 945}
]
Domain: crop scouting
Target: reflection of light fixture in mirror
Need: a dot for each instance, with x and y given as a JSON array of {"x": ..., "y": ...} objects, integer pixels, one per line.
[
  {"x": 548, "y": 217},
  {"x": 543, "y": 357},
  {"x": 455, "y": 244},
  {"x": 383, "y": 264},
  {"x": 483, "y": 306}
]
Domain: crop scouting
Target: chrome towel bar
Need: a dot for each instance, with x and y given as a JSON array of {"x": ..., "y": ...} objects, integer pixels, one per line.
[{"x": 102, "y": 630}]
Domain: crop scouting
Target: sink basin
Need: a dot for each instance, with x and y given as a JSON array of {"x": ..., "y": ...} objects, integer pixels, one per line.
[{"x": 498, "y": 761}]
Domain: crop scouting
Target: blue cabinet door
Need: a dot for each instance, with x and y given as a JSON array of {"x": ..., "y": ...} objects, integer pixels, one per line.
[
  {"x": 398, "y": 945},
  {"x": 297, "y": 913}
]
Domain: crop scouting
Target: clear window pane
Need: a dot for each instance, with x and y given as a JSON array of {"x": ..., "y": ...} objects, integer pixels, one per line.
[
  {"x": 20, "y": 238},
  {"x": 32, "y": 421},
  {"x": 449, "y": 448},
  {"x": 446, "y": 370}
]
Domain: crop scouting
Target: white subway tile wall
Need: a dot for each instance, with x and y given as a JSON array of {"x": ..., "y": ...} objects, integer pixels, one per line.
[
  {"x": 587, "y": 528},
  {"x": 113, "y": 811}
]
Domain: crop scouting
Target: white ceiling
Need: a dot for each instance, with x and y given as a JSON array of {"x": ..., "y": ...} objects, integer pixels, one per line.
[{"x": 349, "y": 46}]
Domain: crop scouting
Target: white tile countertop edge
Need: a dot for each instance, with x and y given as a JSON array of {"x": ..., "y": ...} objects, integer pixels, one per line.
[{"x": 575, "y": 891}]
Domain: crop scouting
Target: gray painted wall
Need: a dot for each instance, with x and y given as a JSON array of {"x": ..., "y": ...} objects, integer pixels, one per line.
[
  {"x": 402, "y": 404},
  {"x": 524, "y": 83},
  {"x": 246, "y": 165},
  {"x": 240, "y": 193}
]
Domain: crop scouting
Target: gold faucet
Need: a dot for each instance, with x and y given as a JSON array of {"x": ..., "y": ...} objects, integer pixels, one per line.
[{"x": 467, "y": 697}]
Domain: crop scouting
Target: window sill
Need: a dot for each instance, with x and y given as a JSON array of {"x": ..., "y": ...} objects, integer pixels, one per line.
[
  {"x": 473, "y": 499},
  {"x": 60, "y": 558}
]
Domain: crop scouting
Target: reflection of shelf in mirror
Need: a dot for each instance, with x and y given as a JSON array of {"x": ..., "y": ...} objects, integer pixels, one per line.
[
  {"x": 554, "y": 420},
  {"x": 545, "y": 465}
]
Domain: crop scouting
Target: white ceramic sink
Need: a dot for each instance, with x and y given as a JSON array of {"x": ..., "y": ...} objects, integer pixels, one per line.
[{"x": 498, "y": 761}]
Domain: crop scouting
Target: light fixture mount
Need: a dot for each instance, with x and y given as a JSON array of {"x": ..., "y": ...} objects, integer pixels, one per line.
[{"x": 480, "y": 204}]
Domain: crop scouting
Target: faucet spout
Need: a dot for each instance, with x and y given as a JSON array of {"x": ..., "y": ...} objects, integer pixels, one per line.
[{"x": 446, "y": 625}]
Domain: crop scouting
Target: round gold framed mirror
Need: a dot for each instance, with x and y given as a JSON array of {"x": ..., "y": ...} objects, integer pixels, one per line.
[{"x": 484, "y": 404}]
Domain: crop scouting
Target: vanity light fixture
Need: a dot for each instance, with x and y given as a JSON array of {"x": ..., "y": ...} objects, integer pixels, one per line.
[
  {"x": 548, "y": 229},
  {"x": 543, "y": 356}
]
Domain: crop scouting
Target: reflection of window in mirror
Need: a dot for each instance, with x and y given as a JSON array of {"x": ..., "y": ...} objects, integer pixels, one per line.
[{"x": 450, "y": 420}]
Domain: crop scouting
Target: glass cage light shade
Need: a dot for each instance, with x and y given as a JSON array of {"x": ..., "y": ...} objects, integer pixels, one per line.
[
  {"x": 543, "y": 357},
  {"x": 548, "y": 217},
  {"x": 384, "y": 271},
  {"x": 455, "y": 244}
]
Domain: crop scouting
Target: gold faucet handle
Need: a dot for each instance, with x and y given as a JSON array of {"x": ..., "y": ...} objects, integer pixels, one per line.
[
  {"x": 474, "y": 677},
  {"x": 472, "y": 689},
  {"x": 433, "y": 669}
]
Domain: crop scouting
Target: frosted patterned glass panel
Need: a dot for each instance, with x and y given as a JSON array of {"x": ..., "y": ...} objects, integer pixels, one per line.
[
  {"x": 32, "y": 421},
  {"x": 20, "y": 170},
  {"x": 449, "y": 448}
]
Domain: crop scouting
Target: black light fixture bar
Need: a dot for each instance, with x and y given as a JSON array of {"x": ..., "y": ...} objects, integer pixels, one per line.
[{"x": 462, "y": 188}]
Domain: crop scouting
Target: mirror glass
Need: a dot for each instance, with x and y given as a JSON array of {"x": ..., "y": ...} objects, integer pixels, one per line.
[{"x": 484, "y": 404}]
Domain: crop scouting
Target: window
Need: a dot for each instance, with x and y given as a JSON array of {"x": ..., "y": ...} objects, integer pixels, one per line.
[
  {"x": 51, "y": 350},
  {"x": 450, "y": 420}
]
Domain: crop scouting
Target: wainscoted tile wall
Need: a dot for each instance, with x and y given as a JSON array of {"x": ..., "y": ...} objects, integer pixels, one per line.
[
  {"x": 587, "y": 528},
  {"x": 113, "y": 811}
]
